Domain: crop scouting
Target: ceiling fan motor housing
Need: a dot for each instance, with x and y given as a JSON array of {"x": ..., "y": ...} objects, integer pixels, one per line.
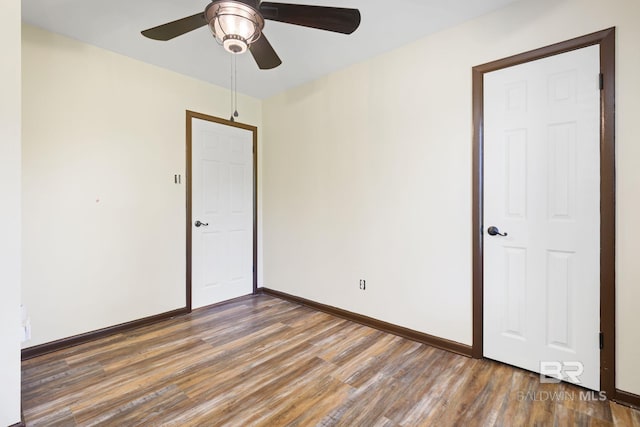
[{"x": 235, "y": 24}]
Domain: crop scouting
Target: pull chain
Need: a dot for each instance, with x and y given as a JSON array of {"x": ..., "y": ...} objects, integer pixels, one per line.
[
  {"x": 231, "y": 88},
  {"x": 234, "y": 88}
]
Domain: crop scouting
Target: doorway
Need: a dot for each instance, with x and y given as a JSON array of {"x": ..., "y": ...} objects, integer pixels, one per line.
[
  {"x": 605, "y": 40},
  {"x": 221, "y": 215}
]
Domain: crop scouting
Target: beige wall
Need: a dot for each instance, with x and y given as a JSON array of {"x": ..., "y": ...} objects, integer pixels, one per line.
[
  {"x": 10, "y": 99},
  {"x": 367, "y": 174},
  {"x": 104, "y": 235}
]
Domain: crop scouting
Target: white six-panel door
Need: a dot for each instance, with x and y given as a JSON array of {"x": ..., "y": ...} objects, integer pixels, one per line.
[
  {"x": 541, "y": 187},
  {"x": 222, "y": 201}
]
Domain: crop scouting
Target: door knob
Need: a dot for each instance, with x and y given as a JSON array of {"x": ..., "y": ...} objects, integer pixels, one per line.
[
  {"x": 198, "y": 223},
  {"x": 494, "y": 231}
]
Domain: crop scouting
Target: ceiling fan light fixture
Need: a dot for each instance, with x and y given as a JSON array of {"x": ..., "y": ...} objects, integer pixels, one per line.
[{"x": 234, "y": 25}]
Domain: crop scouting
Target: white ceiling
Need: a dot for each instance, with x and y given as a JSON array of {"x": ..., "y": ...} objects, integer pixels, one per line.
[{"x": 307, "y": 54}]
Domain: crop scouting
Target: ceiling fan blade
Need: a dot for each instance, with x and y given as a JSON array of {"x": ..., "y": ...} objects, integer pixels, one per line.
[
  {"x": 336, "y": 19},
  {"x": 176, "y": 28},
  {"x": 263, "y": 53}
]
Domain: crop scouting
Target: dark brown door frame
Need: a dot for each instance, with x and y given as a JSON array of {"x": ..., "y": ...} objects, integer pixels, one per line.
[
  {"x": 193, "y": 115},
  {"x": 606, "y": 40}
]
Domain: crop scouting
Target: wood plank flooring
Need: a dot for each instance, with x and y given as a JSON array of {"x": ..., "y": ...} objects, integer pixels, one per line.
[{"x": 262, "y": 361}]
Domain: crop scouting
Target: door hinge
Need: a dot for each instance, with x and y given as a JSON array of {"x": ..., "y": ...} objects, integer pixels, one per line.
[
  {"x": 601, "y": 340},
  {"x": 601, "y": 80}
]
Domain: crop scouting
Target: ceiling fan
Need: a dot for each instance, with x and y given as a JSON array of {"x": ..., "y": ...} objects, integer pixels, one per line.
[{"x": 238, "y": 25}]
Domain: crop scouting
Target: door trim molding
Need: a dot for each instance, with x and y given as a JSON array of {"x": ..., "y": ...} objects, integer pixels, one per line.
[
  {"x": 606, "y": 40},
  {"x": 194, "y": 115}
]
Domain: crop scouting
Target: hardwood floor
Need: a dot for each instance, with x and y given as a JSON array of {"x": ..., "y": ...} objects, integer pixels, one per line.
[{"x": 264, "y": 361}]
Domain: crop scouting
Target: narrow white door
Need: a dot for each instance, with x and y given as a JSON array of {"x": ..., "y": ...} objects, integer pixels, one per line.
[
  {"x": 222, "y": 212},
  {"x": 542, "y": 189}
]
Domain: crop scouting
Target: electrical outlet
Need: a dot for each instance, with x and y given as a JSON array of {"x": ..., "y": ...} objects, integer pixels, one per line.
[
  {"x": 363, "y": 284},
  {"x": 26, "y": 324}
]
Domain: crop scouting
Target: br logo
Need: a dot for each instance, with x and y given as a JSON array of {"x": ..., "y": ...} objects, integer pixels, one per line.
[{"x": 552, "y": 372}]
